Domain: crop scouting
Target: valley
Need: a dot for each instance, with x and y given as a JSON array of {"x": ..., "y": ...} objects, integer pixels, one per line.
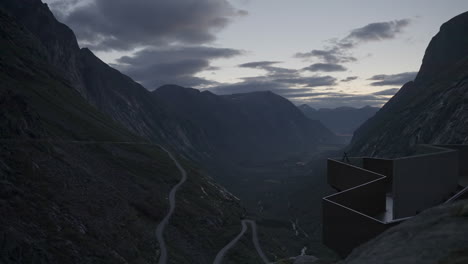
[{"x": 95, "y": 167}]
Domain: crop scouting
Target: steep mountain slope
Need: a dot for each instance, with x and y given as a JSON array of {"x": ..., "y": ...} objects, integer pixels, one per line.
[
  {"x": 107, "y": 89},
  {"x": 341, "y": 120},
  {"x": 69, "y": 193},
  {"x": 433, "y": 108},
  {"x": 260, "y": 125}
]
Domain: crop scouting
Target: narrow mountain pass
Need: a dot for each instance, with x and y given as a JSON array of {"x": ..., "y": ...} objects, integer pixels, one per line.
[
  {"x": 232, "y": 243},
  {"x": 165, "y": 221}
]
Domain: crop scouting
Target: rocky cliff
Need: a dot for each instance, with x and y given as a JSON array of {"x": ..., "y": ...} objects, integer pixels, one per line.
[
  {"x": 437, "y": 236},
  {"x": 431, "y": 109}
]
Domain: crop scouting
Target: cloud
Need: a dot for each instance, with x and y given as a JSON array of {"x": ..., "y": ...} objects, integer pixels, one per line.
[
  {"x": 339, "y": 50},
  {"x": 333, "y": 55},
  {"x": 272, "y": 71},
  {"x": 125, "y": 25},
  {"x": 392, "y": 79},
  {"x": 377, "y": 31},
  {"x": 282, "y": 86},
  {"x": 349, "y": 79},
  {"x": 154, "y": 67},
  {"x": 314, "y": 81},
  {"x": 258, "y": 64},
  {"x": 391, "y": 92},
  {"x": 325, "y": 67}
]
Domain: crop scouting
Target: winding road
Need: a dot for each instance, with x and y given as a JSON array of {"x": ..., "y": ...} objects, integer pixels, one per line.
[
  {"x": 172, "y": 203},
  {"x": 232, "y": 243},
  {"x": 164, "y": 222}
]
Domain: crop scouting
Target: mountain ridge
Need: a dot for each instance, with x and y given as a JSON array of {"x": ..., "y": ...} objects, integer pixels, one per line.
[{"x": 139, "y": 110}]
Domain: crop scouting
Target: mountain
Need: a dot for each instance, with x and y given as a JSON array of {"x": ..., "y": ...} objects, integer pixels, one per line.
[
  {"x": 250, "y": 126},
  {"x": 78, "y": 187},
  {"x": 341, "y": 120},
  {"x": 152, "y": 115},
  {"x": 432, "y": 109},
  {"x": 111, "y": 92},
  {"x": 65, "y": 178}
]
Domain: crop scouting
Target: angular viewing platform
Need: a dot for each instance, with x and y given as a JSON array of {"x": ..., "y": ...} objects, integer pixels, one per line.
[{"x": 375, "y": 194}]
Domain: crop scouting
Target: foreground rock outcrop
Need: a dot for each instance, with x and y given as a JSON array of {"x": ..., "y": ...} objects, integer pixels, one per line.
[{"x": 436, "y": 236}]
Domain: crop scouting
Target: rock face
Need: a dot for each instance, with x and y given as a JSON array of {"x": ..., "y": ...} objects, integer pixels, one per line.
[
  {"x": 432, "y": 109},
  {"x": 437, "y": 236},
  {"x": 113, "y": 93},
  {"x": 341, "y": 120},
  {"x": 250, "y": 126},
  {"x": 62, "y": 201}
]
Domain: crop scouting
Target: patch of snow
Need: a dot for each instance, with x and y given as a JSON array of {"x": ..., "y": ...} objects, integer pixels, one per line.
[
  {"x": 226, "y": 194},
  {"x": 203, "y": 190},
  {"x": 303, "y": 251},
  {"x": 294, "y": 228}
]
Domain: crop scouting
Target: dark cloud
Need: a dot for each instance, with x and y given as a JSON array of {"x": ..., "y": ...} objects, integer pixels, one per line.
[
  {"x": 333, "y": 55},
  {"x": 280, "y": 86},
  {"x": 272, "y": 71},
  {"x": 164, "y": 55},
  {"x": 339, "y": 49},
  {"x": 376, "y": 31},
  {"x": 277, "y": 79},
  {"x": 325, "y": 67},
  {"x": 349, "y": 79},
  {"x": 258, "y": 64},
  {"x": 314, "y": 81},
  {"x": 392, "y": 79},
  {"x": 155, "y": 67},
  {"x": 391, "y": 91},
  {"x": 124, "y": 24}
]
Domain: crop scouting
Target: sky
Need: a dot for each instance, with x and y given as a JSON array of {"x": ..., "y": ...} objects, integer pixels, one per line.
[{"x": 323, "y": 53}]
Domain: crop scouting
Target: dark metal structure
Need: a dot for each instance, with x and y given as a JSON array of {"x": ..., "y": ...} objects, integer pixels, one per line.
[{"x": 376, "y": 194}]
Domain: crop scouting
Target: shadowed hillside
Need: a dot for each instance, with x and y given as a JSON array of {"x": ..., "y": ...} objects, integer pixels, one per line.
[
  {"x": 432, "y": 109},
  {"x": 77, "y": 187}
]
